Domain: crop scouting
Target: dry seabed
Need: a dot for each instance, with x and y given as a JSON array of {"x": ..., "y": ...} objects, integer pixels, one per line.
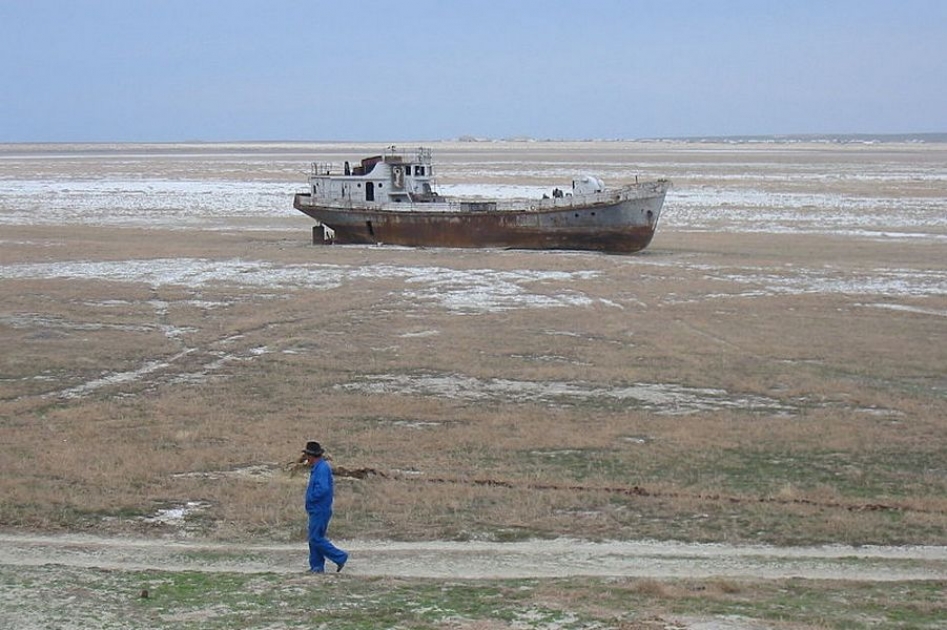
[
  {"x": 788, "y": 285},
  {"x": 767, "y": 378}
]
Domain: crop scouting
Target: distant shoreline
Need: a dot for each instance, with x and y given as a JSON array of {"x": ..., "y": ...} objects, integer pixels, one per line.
[
  {"x": 851, "y": 138},
  {"x": 828, "y": 138}
]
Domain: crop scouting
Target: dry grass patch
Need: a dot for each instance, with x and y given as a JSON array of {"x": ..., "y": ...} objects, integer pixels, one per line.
[{"x": 851, "y": 413}]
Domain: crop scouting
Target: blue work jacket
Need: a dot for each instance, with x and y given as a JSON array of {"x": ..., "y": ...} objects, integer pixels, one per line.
[{"x": 319, "y": 492}]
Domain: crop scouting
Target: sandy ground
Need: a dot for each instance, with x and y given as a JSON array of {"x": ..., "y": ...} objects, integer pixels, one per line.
[{"x": 482, "y": 560}]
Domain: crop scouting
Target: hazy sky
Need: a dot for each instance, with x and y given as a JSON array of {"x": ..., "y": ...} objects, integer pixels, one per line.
[{"x": 386, "y": 70}]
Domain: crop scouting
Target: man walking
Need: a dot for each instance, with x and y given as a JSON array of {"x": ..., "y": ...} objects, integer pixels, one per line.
[{"x": 319, "y": 507}]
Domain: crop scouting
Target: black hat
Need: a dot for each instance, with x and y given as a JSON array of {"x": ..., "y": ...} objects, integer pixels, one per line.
[{"x": 313, "y": 448}]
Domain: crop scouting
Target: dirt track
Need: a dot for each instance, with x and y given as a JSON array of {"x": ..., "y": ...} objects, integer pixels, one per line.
[{"x": 481, "y": 560}]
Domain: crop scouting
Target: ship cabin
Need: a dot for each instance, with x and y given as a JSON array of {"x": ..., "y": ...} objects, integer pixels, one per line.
[{"x": 396, "y": 176}]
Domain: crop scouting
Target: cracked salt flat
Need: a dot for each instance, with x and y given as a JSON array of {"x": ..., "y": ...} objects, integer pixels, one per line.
[
  {"x": 117, "y": 378},
  {"x": 142, "y": 202},
  {"x": 891, "y": 282},
  {"x": 763, "y": 281},
  {"x": 908, "y": 309},
  {"x": 31, "y": 321},
  {"x": 708, "y": 209},
  {"x": 177, "y": 516},
  {"x": 161, "y": 370},
  {"x": 478, "y": 290},
  {"x": 661, "y": 398},
  {"x": 481, "y": 290}
]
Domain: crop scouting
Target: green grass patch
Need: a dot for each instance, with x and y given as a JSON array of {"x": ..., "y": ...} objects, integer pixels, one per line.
[
  {"x": 893, "y": 473},
  {"x": 58, "y": 596}
]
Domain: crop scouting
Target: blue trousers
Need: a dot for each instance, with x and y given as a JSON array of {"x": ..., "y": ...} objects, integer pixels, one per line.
[{"x": 319, "y": 546}]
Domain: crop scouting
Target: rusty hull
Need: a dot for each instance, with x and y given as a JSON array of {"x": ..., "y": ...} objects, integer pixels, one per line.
[{"x": 624, "y": 227}]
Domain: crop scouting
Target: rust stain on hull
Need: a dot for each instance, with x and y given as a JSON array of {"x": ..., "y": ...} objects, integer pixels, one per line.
[{"x": 583, "y": 229}]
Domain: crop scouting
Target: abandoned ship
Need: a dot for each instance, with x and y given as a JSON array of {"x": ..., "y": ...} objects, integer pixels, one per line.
[{"x": 391, "y": 199}]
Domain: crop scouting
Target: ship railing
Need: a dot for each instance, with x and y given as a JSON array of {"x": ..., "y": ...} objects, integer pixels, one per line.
[
  {"x": 419, "y": 155},
  {"x": 481, "y": 204},
  {"x": 325, "y": 168}
]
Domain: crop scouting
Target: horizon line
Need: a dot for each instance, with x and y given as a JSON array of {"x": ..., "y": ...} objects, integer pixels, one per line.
[{"x": 930, "y": 136}]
